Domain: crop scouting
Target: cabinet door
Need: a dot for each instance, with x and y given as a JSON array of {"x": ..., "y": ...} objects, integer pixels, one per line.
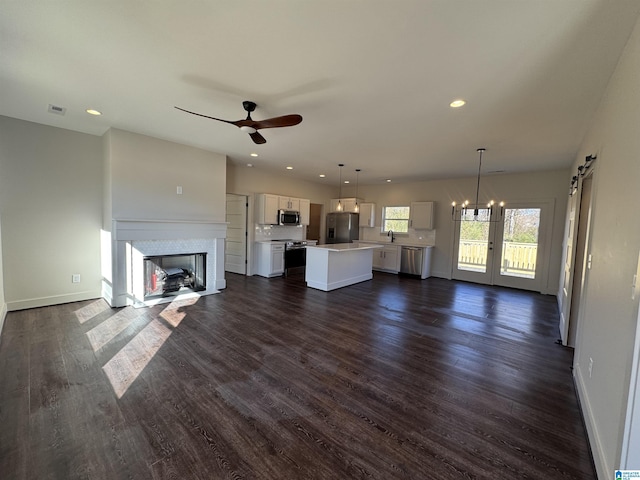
[
  {"x": 288, "y": 203},
  {"x": 305, "y": 209},
  {"x": 391, "y": 258},
  {"x": 367, "y": 215},
  {"x": 349, "y": 204},
  {"x": 378, "y": 258},
  {"x": 266, "y": 209},
  {"x": 283, "y": 203},
  {"x": 277, "y": 260},
  {"x": 421, "y": 216}
]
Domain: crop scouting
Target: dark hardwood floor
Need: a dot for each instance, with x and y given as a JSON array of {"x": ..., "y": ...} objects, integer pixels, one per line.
[{"x": 393, "y": 378}]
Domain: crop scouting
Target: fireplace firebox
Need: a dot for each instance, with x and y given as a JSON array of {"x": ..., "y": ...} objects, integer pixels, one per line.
[{"x": 174, "y": 274}]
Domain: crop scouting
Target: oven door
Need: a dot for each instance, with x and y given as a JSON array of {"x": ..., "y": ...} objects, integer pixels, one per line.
[{"x": 295, "y": 257}]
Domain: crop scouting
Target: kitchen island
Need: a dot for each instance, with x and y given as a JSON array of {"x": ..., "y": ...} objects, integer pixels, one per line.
[{"x": 338, "y": 265}]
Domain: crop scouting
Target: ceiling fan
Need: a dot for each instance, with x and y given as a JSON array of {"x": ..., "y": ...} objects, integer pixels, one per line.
[{"x": 252, "y": 126}]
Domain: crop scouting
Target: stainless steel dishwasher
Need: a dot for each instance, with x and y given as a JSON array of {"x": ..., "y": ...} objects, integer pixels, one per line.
[{"x": 411, "y": 260}]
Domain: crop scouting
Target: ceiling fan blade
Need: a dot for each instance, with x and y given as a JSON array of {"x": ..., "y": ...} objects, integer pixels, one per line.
[
  {"x": 257, "y": 138},
  {"x": 284, "y": 121},
  {"x": 207, "y": 116}
]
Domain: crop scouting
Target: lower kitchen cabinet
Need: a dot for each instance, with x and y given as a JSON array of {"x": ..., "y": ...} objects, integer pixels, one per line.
[
  {"x": 270, "y": 259},
  {"x": 387, "y": 259}
]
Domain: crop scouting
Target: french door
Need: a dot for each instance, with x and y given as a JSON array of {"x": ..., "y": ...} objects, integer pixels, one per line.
[{"x": 507, "y": 248}]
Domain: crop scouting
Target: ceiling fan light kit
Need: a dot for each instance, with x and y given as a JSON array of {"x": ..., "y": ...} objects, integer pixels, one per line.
[{"x": 251, "y": 126}]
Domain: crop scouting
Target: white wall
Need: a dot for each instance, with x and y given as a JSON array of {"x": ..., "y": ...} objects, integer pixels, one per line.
[
  {"x": 608, "y": 320},
  {"x": 248, "y": 181},
  {"x": 145, "y": 171},
  {"x": 51, "y": 209}
]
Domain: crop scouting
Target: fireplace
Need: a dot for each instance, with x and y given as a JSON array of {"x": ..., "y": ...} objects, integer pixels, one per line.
[
  {"x": 168, "y": 275},
  {"x": 186, "y": 257}
]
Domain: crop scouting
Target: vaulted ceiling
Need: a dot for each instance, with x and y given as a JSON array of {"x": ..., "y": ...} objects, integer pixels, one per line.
[{"x": 373, "y": 79}]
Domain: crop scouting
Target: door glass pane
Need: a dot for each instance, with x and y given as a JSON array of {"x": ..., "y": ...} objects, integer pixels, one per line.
[
  {"x": 474, "y": 241},
  {"x": 520, "y": 242}
]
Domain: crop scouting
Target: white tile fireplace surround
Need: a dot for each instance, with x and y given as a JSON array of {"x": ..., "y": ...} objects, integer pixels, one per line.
[{"x": 132, "y": 240}]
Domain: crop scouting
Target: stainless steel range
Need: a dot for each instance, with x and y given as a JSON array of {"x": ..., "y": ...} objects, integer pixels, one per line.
[{"x": 295, "y": 255}]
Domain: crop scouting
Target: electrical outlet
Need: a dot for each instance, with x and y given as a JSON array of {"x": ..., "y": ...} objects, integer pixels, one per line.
[
  {"x": 179, "y": 190},
  {"x": 75, "y": 278},
  {"x": 590, "y": 366}
]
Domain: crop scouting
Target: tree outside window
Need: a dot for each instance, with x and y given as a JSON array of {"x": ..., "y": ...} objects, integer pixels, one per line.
[{"x": 396, "y": 219}]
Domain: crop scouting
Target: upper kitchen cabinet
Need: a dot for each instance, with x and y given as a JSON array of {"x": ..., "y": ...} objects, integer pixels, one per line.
[
  {"x": 267, "y": 206},
  {"x": 348, "y": 204},
  {"x": 287, "y": 203},
  {"x": 421, "y": 216},
  {"x": 367, "y": 214},
  {"x": 305, "y": 211}
]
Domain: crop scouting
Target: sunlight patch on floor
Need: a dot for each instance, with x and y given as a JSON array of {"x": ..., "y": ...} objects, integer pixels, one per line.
[
  {"x": 91, "y": 310},
  {"x": 126, "y": 365}
]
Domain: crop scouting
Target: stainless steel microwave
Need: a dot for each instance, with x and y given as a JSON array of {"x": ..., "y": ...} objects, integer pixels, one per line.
[{"x": 288, "y": 217}]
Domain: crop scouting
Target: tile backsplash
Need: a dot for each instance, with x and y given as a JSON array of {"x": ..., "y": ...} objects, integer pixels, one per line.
[
  {"x": 418, "y": 237},
  {"x": 278, "y": 232}
]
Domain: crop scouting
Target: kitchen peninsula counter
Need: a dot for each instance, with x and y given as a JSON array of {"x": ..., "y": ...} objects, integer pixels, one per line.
[{"x": 338, "y": 265}]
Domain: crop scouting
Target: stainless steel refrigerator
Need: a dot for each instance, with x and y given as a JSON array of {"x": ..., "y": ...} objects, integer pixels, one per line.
[{"x": 342, "y": 227}]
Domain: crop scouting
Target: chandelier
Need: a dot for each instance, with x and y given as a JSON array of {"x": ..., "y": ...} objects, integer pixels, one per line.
[{"x": 490, "y": 213}]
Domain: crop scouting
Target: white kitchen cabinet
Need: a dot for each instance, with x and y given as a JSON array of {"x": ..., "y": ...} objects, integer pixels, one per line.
[
  {"x": 348, "y": 204},
  {"x": 367, "y": 214},
  {"x": 289, "y": 203},
  {"x": 305, "y": 211},
  {"x": 421, "y": 216},
  {"x": 387, "y": 259},
  {"x": 266, "y": 209},
  {"x": 270, "y": 258}
]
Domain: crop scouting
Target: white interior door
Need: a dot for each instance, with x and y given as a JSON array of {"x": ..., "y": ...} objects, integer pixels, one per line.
[
  {"x": 567, "y": 277},
  {"x": 235, "y": 258}
]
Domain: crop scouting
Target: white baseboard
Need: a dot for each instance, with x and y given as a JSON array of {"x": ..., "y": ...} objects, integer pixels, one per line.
[
  {"x": 603, "y": 470},
  {"x": 52, "y": 300},
  {"x": 3, "y": 315}
]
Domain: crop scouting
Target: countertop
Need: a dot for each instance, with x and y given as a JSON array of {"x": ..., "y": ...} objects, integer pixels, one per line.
[
  {"x": 344, "y": 247},
  {"x": 282, "y": 242},
  {"x": 403, "y": 244}
]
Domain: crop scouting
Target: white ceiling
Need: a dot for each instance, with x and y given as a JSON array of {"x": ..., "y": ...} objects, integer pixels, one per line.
[{"x": 373, "y": 79}]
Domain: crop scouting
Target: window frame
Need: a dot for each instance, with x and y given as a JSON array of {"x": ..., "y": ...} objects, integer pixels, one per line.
[{"x": 384, "y": 219}]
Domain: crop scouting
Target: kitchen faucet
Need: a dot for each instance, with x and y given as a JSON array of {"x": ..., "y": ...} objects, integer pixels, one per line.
[{"x": 390, "y": 232}]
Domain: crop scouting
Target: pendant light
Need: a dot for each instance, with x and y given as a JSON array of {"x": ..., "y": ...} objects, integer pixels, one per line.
[
  {"x": 357, "y": 207},
  {"x": 464, "y": 206},
  {"x": 339, "y": 207}
]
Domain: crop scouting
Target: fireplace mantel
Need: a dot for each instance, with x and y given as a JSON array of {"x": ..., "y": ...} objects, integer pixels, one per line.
[{"x": 132, "y": 239}]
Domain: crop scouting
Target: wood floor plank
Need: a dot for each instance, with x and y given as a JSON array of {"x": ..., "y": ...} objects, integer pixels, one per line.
[{"x": 393, "y": 378}]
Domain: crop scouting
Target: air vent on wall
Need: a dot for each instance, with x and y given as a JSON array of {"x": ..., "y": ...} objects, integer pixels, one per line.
[{"x": 57, "y": 110}]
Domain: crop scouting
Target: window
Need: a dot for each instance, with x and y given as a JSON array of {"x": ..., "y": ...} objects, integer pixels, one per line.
[{"x": 395, "y": 219}]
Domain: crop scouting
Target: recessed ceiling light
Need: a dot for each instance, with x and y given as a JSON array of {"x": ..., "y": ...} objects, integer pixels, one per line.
[
  {"x": 91, "y": 111},
  {"x": 254, "y": 154},
  {"x": 346, "y": 181},
  {"x": 388, "y": 180},
  {"x": 249, "y": 165},
  {"x": 289, "y": 168},
  {"x": 457, "y": 103},
  {"x": 322, "y": 175}
]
